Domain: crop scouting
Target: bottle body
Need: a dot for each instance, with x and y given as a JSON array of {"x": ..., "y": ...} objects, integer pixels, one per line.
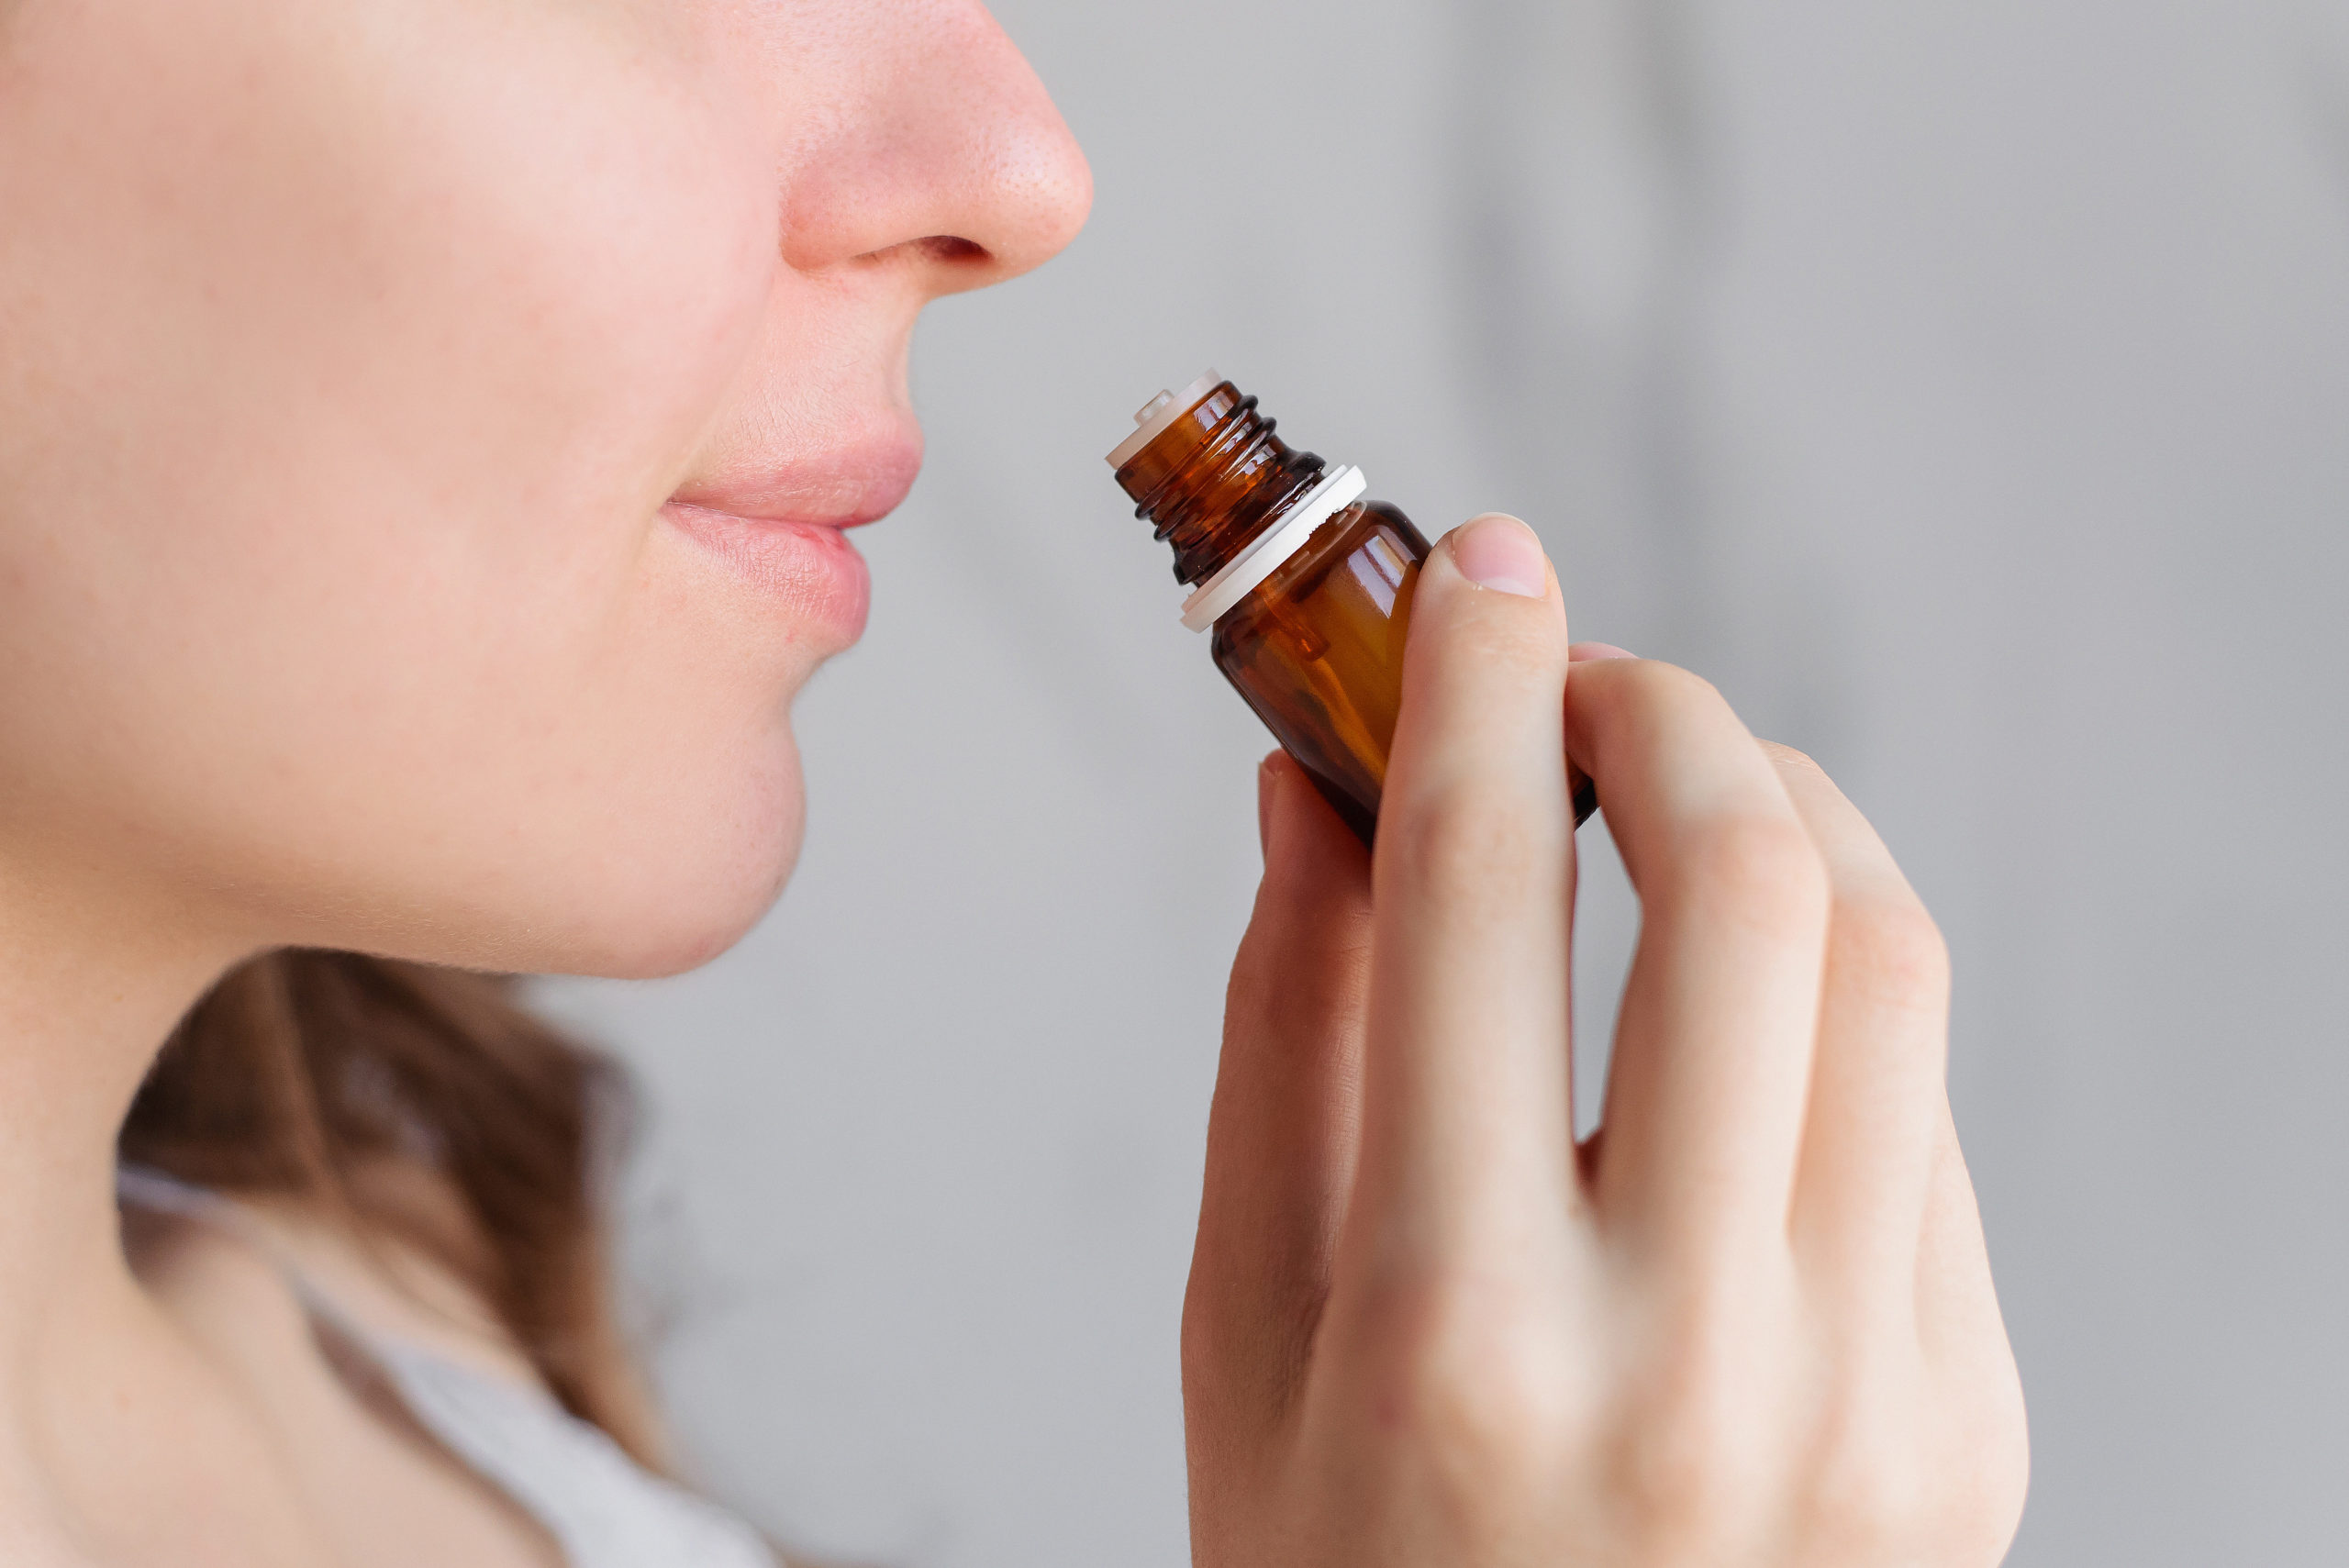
[
  {"x": 1317, "y": 650},
  {"x": 1308, "y": 588}
]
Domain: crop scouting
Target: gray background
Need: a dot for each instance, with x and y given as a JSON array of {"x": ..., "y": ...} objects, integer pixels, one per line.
[{"x": 1962, "y": 385}]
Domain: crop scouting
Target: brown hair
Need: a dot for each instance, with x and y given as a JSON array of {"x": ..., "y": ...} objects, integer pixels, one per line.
[{"x": 338, "y": 1080}]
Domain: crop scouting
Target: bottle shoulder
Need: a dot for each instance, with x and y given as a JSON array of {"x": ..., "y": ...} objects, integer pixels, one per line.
[
  {"x": 1376, "y": 535},
  {"x": 1388, "y": 516}
]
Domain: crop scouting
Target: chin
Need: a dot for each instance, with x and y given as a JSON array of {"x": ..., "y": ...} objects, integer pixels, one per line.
[
  {"x": 639, "y": 903},
  {"x": 655, "y": 949},
  {"x": 697, "y": 859},
  {"x": 686, "y": 912}
]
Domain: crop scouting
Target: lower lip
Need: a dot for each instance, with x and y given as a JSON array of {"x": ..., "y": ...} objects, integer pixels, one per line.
[{"x": 809, "y": 568}]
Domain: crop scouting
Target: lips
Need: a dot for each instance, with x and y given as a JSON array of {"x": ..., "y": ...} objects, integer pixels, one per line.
[
  {"x": 782, "y": 527},
  {"x": 841, "y": 488}
]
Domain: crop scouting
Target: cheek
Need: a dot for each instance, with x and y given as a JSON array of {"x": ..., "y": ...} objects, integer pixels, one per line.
[
  {"x": 464, "y": 256},
  {"x": 334, "y": 532},
  {"x": 530, "y": 789},
  {"x": 635, "y": 791}
]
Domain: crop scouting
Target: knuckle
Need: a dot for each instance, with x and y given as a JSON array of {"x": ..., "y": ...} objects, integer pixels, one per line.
[
  {"x": 1320, "y": 1001},
  {"x": 1492, "y": 1420},
  {"x": 1669, "y": 686},
  {"x": 1204, "y": 1339},
  {"x": 1891, "y": 949},
  {"x": 1866, "y": 1495},
  {"x": 1888, "y": 1475},
  {"x": 1301, "y": 991},
  {"x": 1492, "y": 635},
  {"x": 1467, "y": 846},
  {"x": 1689, "y": 1454},
  {"x": 1760, "y": 865},
  {"x": 1253, "y": 986},
  {"x": 1239, "y": 1353},
  {"x": 1686, "y": 1470},
  {"x": 1478, "y": 1380}
]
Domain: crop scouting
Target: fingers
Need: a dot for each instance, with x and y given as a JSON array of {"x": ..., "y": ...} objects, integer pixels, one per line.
[
  {"x": 1283, "y": 1128},
  {"x": 1963, "y": 1333},
  {"x": 1877, "y": 1100},
  {"x": 1467, "y": 1122},
  {"x": 1713, "y": 1061},
  {"x": 1957, "y": 1304},
  {"x": 1586, "y": 798}
]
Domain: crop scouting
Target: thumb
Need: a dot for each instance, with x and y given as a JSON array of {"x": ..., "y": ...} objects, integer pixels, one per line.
[{"x": 1283, "y": 1129}]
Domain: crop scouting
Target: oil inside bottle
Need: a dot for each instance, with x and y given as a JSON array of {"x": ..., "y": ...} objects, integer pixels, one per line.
[{"x": 1307, "y": 586}]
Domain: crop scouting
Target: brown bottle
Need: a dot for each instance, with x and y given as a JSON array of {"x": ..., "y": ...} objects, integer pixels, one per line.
[{"x": 1308, "y": 585}]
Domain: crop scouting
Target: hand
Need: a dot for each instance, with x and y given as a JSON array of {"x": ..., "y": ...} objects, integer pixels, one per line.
[{"x": 1750, "y": 1321}]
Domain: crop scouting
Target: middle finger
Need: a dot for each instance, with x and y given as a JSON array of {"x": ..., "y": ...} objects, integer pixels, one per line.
[{"x": 1712, "y": 1058}]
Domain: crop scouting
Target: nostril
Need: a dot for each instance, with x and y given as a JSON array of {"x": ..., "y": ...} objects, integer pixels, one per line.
[
  {"x": 953, "y": 248},
  {"x": 949, "y": 251}
]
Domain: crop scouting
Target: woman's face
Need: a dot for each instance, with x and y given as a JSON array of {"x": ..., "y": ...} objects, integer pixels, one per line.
[{"x": 426, "y": 431}]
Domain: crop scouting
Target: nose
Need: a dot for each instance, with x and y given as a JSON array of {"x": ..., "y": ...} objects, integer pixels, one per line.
[{"x": 946, "y": 151}]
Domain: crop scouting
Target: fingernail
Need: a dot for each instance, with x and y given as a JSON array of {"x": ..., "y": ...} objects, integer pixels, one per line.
[
  {"x": 1497, "y": 552},
  {"x": 1582, "y": 652}
]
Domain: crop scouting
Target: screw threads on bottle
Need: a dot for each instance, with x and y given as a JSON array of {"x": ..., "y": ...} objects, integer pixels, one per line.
[
  {"x": 1214, "y": 479},
  {"x": 1310, "y": 626}
]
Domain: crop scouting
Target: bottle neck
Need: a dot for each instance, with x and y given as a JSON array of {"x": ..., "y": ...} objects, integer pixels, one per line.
[{"x": 1214, "y": 479}]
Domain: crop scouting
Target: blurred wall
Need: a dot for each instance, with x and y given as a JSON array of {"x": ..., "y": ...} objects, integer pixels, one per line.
[{"x": 1962, "y": 385}]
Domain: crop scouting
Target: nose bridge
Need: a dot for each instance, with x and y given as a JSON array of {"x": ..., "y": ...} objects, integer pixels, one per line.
[{"x": 939, "y": 130}]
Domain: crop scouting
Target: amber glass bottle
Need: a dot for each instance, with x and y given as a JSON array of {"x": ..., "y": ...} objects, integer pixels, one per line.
[{"x": 1307, "y": 586}]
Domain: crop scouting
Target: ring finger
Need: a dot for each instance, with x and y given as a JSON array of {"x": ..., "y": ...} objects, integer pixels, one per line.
[{"x": 1876, "y": 1096}]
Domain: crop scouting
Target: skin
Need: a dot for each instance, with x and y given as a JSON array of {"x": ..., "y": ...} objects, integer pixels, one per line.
[
  {"x": 1750, "y": 1321},
  {"x": 374, "y": 377},
  {"x": 426, "y": 434}
]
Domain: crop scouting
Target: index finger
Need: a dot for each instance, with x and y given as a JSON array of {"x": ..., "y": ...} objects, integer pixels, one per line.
[{"x": 1467, "y": 1124}]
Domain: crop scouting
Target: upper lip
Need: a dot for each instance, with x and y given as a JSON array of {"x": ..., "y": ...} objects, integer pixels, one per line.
[{"x": 856, "y": 481}]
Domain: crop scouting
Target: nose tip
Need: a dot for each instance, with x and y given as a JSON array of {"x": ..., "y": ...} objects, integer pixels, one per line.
[
  {"x": 1043, "y": 193},
  {"x": 951, "y": 148}
]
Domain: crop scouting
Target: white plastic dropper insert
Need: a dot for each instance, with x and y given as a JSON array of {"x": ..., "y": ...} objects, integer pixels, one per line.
[
  {"x": 1339, "y": 489},
  {"x": 1161, "y": 411}
]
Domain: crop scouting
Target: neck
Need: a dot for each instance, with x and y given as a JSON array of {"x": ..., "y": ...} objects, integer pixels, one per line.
[{"x": 93, "y": 975}]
